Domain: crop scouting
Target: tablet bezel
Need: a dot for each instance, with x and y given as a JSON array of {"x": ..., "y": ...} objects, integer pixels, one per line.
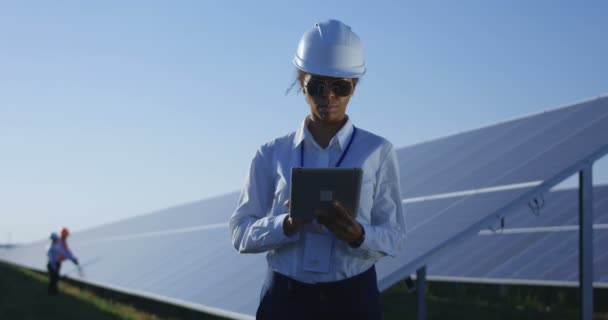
[{"x": 310, "y": 185}]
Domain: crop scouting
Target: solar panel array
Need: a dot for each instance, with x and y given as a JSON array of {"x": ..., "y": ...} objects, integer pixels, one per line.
[
  {"x": 450, "y": 183},
  {"x": 530, "y": 247},
  {"x": 452, "y": 188}
]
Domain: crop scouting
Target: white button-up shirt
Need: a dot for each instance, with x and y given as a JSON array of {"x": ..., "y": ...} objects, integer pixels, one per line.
[{"x": 257, "y": 223}]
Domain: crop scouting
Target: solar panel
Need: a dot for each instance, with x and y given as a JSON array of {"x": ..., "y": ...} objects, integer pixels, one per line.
[
  {"x": 532, "y": 153},
  {"x": 531, "y": 248},
  {"x": 452, "y": 188}
]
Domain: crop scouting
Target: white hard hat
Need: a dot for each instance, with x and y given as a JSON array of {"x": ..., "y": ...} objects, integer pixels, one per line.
[{"x": 330, "y": 48}]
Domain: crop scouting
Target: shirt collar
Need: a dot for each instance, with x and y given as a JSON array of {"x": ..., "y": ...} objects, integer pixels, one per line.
[{"x": 342, "y": 135}]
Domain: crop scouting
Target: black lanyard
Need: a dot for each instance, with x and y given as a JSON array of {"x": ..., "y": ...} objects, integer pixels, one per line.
[{"x": 350, "y": 142}]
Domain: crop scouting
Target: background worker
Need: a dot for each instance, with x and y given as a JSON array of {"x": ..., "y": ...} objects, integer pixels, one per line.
[
  {"x": 66, "y": 253},
  {"x": 53, "y": 265},
  {"x": 57, "y": 252}
]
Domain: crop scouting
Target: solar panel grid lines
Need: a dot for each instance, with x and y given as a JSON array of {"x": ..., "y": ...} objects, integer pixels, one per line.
[
  {"x": 555, "y": 203},
  {"x": 473, "y": 192},
  {"x": 464, "y": 203},
  {"x": 419, "y": 248},
  {"x": 256, "y": 282},
  {"x": 524, "y": 216},
  {"x": 416, "y": 213},
  {"x": 483, "y": 264},
  {"x": 597, "y": 148},
  {"x": 544, "y": 162},
  {"x": 536, "y": 114},
  {"x": 460, "y": 256},
  {"x": 243, "y": 289},
  {"x": 571, "y": 258},
  {"x": 602, "y": 220},
  {"x": 553, "y": 215},
  {"x": 558, "y": 218},
  {"x": 181, "y": 293},
  {"x": 152, "y": 253},
  {"x": 596, "y": 226},
  {"x": 552, "y": 257},
  {"x": 164, "y": 232},
  {"x": 169, "y": 271},
  {"x": 601, "y": 260},
  {"x": 186, "y": 304},
  {"x": 600, "y": 241},
  {"x": 193, "y": 265},
  {"x": 204, "y": 212},
  {"x": 440, "y": 143},
  {"x": 418, "y": 252},
  {"x": 600, "y": 209},
  {"x": 536, "y": 241},
  {"x": 460, "y": 203},
  {"x": 534, "y": 150},
  {"x": 205, "y": 268},
  {"x": 521, "y": 263},
  {"x": 456, "y": 150},
  {"x": 157, "y": 268},
  {"x": 533, "y": 266},
  {"x": 509, "y": 281},
  {"x": 541, "y": 254},
  {"x": 481, "y": 156}
]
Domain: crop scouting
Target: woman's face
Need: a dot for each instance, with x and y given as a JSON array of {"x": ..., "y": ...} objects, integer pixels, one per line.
[{"x": 328, "y": 96}]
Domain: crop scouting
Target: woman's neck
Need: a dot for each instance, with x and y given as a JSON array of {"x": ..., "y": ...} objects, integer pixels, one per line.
[{"x": 323, "y": 131}]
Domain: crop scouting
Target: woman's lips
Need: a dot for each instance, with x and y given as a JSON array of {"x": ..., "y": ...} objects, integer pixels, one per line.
[{"x": 327, "y": 109}]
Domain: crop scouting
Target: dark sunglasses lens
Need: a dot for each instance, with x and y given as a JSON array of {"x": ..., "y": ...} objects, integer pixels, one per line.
[
  {"x": 341, "y": 88},
  {"x": 315, "y": 87}
]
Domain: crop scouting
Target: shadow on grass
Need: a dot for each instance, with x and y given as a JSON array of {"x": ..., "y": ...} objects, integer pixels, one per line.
[
  {"x": 479, "y": 301},
  {"x": 23, "y": 297}
]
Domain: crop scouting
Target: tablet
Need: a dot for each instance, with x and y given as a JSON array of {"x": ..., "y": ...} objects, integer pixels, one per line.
[{"x": 314, "y": 188}]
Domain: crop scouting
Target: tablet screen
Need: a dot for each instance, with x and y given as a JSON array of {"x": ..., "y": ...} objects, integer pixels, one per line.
[{"x": 314, "y": 188}]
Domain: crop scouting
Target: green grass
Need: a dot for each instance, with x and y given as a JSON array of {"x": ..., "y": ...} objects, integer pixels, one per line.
[
  {"x": 483, "y": 301},
  {"x": 23, "y": 296}
]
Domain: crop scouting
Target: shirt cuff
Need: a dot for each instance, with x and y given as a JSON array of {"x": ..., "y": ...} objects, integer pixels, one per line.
[
  {"x": 278, "y": 228},
  {"x": 363, "y": 250},
  {"x": 357, "y": 243}
]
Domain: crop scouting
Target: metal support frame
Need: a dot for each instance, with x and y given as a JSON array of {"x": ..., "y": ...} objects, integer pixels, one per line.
[
  {"x": 421, "y": 292},
  {"x": 585, "y": 242}
]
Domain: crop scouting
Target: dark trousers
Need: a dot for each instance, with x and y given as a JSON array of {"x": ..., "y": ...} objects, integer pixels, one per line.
[
  {"x": 356, "y": 298},
  {"x": 53, "y": 278}
]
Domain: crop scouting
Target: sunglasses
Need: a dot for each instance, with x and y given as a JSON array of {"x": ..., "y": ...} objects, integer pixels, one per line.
[{"x": 318, "y": 87}]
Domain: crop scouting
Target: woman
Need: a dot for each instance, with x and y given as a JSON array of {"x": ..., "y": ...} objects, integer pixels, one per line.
[{"x": 341, "y": 284}]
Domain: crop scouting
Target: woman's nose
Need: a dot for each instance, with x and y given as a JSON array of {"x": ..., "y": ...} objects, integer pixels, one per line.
[{"x": 327, "y": 92}]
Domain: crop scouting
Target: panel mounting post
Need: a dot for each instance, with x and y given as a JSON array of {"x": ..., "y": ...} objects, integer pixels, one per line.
[
  {"x": 585, "y": 242},
  {"x": 421, "y": 292}
]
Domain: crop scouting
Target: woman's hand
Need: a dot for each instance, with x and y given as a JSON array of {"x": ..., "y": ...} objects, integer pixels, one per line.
[
  {"x": 340, "y": 222},
  {"x": 291, "y": 224}
]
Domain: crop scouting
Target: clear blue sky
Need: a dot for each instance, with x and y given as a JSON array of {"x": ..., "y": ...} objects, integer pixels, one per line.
[{"x": 113, "y": 109}]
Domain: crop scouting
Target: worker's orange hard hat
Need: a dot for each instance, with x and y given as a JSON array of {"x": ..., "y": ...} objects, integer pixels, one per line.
[{"x": 65, "y": 232}]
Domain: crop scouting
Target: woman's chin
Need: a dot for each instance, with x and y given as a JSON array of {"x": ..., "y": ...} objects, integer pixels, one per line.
[{"x": 330, "y": 117}]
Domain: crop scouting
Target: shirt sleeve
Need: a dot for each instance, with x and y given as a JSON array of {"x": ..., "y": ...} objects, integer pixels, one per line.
[
  {"x": 385, "y": 234},
  {"x": 65, "y": 251},
  {"x": 252, "y": 229}
]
